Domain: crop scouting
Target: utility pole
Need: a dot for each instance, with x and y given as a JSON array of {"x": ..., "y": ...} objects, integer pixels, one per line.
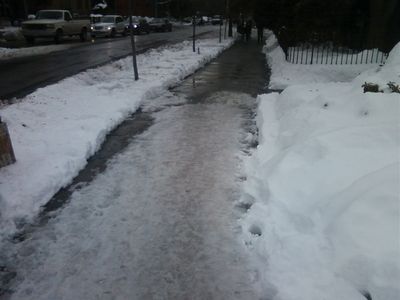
[
  {"x": 156, "y": 8},
  {"x": 135, "y": 68}
]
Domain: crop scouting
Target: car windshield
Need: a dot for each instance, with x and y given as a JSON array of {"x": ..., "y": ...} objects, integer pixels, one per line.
[
  {"x": 156, "y": 20},
  {"x": 134, "y": 20},
  {"x": 107, "y": 19},
  {"x": 54, "y": 15}
]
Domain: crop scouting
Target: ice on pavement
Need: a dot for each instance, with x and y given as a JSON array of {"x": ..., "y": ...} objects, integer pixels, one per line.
[
  {"x": 57, "y": 128},
  {"x": 158, "y": 223}
]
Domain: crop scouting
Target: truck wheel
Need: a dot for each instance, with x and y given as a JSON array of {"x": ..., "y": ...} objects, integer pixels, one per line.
[
  {"x": 58, "y": 37},
  {"x": 125, "y": 32},
  {"x": 30, "y": 39},
  {"x": 83, "y": 35},
  {"x": 113, "y": 33}
]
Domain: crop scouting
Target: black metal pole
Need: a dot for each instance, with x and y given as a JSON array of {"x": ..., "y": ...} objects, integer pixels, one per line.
[
  {"x": 225, "y": 27},
  {"x": 135, "y": 68},
  {"x": 220, "y": 31},
  {"x": 26, "y": 10},
  {"x": 228, "y": 9},
  {"x": 194, "y": 33}
]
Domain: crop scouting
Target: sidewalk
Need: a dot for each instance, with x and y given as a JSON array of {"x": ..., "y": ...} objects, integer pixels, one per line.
[
  {"x": 159, "y": 221},
  {"x": 57, "y": 128}
]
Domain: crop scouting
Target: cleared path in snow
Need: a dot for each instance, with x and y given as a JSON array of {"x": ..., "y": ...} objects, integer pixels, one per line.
[
  {"x": 21, "y": 76},
  {"x": 159, "y": 222}
]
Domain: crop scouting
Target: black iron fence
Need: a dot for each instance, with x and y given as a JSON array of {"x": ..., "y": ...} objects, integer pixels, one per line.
[{"x": 307, "y": 53}]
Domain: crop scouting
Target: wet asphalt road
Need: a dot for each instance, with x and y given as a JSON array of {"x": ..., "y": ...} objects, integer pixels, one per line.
[{"x": 22, "y": 76}]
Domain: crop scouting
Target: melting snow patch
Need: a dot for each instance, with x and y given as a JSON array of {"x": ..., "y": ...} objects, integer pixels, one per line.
[{"x": 57, "y": 128}]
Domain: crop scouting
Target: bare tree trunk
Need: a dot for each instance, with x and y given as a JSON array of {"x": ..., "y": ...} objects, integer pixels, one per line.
[
  {"x": 26, "y": 10},
  {"x": 381, "y": 13}
]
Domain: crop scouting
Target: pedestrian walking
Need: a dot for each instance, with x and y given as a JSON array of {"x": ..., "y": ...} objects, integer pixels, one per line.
[
  {"x": 260, "y": 32},
  {"x": 249, "y": 26}
]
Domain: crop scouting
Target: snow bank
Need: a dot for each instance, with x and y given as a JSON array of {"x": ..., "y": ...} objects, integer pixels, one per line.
[
  {"x": 55, "y": 129},
  {"x": 285, "y": 74},
  {"x": 324, "y": 189},
  {"x": 11, "y": 33},
  {"x": 7, "y": 53}
]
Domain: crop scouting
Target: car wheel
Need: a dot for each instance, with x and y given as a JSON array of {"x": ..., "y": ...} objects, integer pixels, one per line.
[
  {"x": 83, "y": 35},
  {"x": 30, "y": 39},
  {"x": 125, "y": 32},
  {"x": 113, "y": 33},
  {"x": 58, "y": 37}
]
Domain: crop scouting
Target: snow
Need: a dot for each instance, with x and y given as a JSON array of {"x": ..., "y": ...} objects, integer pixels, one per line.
[
  {"x": 57, "y": 128},
  {"x": 8, "y": 53},
  {"x": 157, "y": 223},
  {"x": 323, "y": 184},
  {"x": 285, "y": 74}
]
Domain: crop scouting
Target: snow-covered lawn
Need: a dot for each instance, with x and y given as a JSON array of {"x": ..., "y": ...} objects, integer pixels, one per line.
[
  {"x": 323, "y": 184},
  {"x": 55, "y": 129},
  {"x": 7, "y": 53},
  {"x": 285, "y": 74}
]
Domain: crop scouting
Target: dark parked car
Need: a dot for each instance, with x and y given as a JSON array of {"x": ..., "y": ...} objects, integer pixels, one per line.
[
  {"x": 139, "y": 26},
  {"x": 160, "y": 25},
  {"x": 217, "y": 20}
]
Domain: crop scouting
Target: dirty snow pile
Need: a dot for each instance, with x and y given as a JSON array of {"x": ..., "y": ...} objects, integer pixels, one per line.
[
  {"x": 11, "y": 33},
  {"x": 285, "y": 74},
  {"x": 323, "y": 190},
  {"x": 55, "y": 129},
  {"x": 8, "y": 53}
]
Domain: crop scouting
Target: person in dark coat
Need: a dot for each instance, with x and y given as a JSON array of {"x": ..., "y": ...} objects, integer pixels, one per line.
[
  {"x": 249, "y": 26},
  {"x": 260, "y": 32}
]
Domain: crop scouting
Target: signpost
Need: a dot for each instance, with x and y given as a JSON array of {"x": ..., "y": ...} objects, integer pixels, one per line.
[
  {"x": 194, "y": 33},
  {"x": 135, "y": 68}
]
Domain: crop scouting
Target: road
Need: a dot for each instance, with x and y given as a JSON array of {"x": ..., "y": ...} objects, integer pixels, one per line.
[
  {"x": 22, "y": 76},
  {"x": 159, "y": 219}
]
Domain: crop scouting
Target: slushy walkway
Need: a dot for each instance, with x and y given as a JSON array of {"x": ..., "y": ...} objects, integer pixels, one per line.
[{"x": 159, "y": 222}]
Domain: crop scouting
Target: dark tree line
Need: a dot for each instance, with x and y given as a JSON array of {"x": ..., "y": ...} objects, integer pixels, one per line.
[{"x": 351, "y": 23}]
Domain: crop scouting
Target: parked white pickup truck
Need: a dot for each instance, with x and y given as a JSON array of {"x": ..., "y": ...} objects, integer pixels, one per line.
[{"x": 54, "y": 24}]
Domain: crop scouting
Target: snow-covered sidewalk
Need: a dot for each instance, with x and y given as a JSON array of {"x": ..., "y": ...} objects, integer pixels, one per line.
[
  {"x": 55, "y": 129},
  {"x": 323, "y": 184}
]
